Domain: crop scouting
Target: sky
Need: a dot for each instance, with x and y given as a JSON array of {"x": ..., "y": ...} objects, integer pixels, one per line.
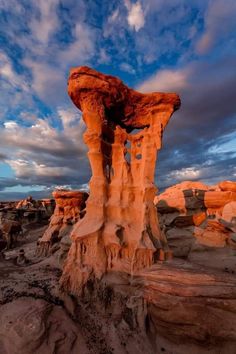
[{"x": 182, "y": 46}]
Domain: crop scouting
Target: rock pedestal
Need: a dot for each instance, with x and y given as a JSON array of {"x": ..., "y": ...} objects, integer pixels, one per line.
[
  {"x": 67, "y": 212},
  {"x": 120, "y": 229}
]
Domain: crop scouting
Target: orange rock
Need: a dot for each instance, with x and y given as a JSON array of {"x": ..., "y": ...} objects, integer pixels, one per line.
[
  {"x": 229, "y": 212},
  {"x": 180, "y": 197},
  {"x": 215, "y": 199},
  {"x": 228, "y": 186},
  {"x": 66, "y": 213},
  {"x": 214, "y": 235},
  {"x": 120, "y": 225},
  {"x": 199, "y": 218}
]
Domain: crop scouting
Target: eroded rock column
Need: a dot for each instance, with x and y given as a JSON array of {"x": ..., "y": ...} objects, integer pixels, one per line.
[
  {"x": 120, "y": 229},
  {"x": 69, "y": 205}
]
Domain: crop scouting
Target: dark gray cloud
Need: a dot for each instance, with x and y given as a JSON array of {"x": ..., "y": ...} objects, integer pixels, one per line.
[
  {"x": 2, "y": 157},
  {"x": 196, "y": 135}
]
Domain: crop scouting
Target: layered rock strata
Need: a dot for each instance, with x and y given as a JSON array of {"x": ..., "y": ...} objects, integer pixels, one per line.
[
  {"x": 120, "y": 228},
  {"x": 171, "y": 307},
  {"x": 68, "y": 210},
  {"x": 197, "y": 218}
]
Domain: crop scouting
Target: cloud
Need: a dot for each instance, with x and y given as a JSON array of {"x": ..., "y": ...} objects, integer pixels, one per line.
[
  {"x": 219, "y": 24},
  {"x": 46, "y": 156},
  {"x": 135, "y": 16},
  {"x": 46, "y": 22},
  {"x": 206, "y": 119},
  {"x": 113, "y": 17},
  {"x": 81, "y": 49},
  {"x": 48, "y": 81},
  {"x": 166, "y": 79},
  {"x": 127, "y": 68},
  {"x": 8, "y": 73},
  {"x": 24, "y": 168},
  {"x": 10, "y": 125},
  {"x": 2, "y": 157}
]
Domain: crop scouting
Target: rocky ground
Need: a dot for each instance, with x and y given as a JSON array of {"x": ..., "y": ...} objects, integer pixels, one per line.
[{"x": 179, "y": 306}]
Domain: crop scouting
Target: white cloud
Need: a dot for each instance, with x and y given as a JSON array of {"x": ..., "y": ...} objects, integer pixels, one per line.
[
  {"x": 24, "y": 168},
  {"x": 47, "y": 80},
  {"x": 46, "y": 23},
  {"x": 8, "y": 73},
  {"x": 135, "y": 16},
  {"x": 166, "y": 80},
  {"x": 45, "y": 155},
  {"x": 68, "y": 116},
  {"x": 104, "y": 58},
  {"x": 10, "y": 125},
  {"x": 81, "y": 49},
  {"x": 188, "y": 173},
  {"x": 72, "y": 122},
  {"x": 127, "y": 67},
  {"x": 227, "y": 144}
]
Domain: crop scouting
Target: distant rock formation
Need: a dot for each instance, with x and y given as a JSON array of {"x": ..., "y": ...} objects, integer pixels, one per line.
[
  {"x": 10, "y": 231},
  {"x": 120, "y": 229},
  {"x": 27, "y": 203},
  {"x": 196, "y": 218},
  {"x": 25, "y": 213},
  {"x": 30, "y": 204},
  {"x": 68, "y": 210},
  {"x": 27, "y": 210}
]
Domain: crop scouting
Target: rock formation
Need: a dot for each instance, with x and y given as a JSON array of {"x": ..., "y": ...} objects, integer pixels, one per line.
[
  {"x": 10, "y": 232},
  {"x": 69, "y": 205},
  {"x": 26, "y": 214},
  {"x": 196, "y": 217},
  {"x": 120, "y": 229},
  {"x": 171, "y": 307},
  {"x": 27, "y": 210},
  {"x": 27, "y": 203}
]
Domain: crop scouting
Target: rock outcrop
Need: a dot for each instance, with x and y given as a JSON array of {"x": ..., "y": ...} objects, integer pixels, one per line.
[
  {"x": 27, "y": 213},
  {"x": 120, "y": 228},
  {"x": 69, "y": 209},
  {"x": 197, "y": 218},
  {"x": 27, "y": 210},
  {"x": 27, "y": 203},
  {"x": 171, "y": 307},
  {"x": 10, "y": 231}
]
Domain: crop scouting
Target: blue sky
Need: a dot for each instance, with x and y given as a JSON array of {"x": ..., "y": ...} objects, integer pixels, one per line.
[{"x": 153, "y": 45}]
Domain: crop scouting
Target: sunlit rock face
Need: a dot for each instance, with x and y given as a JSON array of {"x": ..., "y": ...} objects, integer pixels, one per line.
[
  {"x": 69, "y": 205},
  {"x": 120, "y": 229},
  {"x": 198, "y": 219}
]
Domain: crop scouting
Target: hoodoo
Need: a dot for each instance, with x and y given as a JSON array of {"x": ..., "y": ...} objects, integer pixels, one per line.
[{"x": 124, "y": 132}]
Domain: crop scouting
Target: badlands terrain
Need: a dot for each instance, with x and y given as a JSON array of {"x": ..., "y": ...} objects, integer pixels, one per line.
[
  {"x": 121, "y": 269},
  {"x": 186, "y": 303}
]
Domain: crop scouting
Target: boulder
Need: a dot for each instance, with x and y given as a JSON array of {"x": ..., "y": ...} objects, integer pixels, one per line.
[
  {"x": 229, "y": 212},
  {"x": 228, "y": 186},
  {"x": 218, "y": 199}
]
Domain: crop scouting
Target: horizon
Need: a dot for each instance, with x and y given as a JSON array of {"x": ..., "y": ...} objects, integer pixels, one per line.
[{"x": 168, "y": 46}]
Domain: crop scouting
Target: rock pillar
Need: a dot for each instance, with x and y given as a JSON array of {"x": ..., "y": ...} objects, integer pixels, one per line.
[{"x": 120, "y": 229}]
